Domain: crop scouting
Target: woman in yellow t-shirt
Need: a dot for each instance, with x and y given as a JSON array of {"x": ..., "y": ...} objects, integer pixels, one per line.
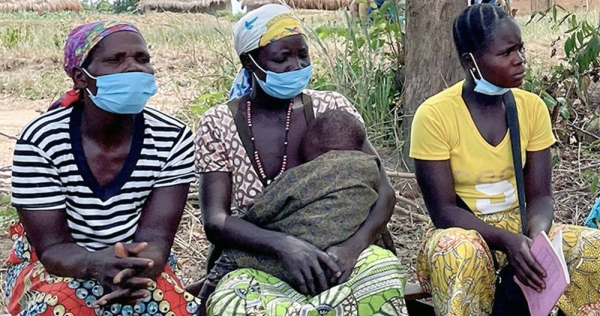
[{"x": 461, "y": 146}]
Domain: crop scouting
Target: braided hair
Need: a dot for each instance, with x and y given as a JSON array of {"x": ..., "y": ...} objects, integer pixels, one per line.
[{"x": 473, "y": 28}]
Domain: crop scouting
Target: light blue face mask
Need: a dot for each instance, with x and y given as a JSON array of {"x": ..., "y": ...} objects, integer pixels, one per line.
[
  {"x": 284, "y": 85},
  {"x": 483, "y": 86},
  {"x": 123, "y": 93}
]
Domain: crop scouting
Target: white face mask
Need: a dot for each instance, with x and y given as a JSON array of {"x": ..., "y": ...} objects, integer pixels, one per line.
[{"x": 483, "y": 86}]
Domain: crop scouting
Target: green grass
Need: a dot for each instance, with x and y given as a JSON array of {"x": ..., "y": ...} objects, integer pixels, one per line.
[{"x": 7, "y": 212}]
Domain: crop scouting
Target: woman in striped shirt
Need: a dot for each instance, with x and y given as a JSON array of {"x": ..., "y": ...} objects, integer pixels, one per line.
[{"x": 100, "y": 184}]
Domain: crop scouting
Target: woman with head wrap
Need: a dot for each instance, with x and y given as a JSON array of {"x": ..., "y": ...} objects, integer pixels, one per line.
[
  {"x": 244, "y": 145},
  {"x": 100, "y": 184}
]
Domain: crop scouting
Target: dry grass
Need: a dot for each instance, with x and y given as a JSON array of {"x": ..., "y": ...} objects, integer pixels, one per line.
[
  {"x": 193, "y": 58},
  {"x": 182, "y": 5},
  {"x": 211, "y": 6},
  {"x": 304, "y": 4},
  {"x": 191, "y": 245},
  {"x": 40, "y": 6}
]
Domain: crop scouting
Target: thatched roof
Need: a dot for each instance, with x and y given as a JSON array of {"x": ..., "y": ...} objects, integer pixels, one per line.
[
  {"x": 303, "y": 4},
  {"x": 40, "y": 6},
  {"x": 182, "y": 5}
]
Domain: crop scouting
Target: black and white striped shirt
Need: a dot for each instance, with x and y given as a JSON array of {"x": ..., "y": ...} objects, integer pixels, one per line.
[{"x": 50, "y": 172}]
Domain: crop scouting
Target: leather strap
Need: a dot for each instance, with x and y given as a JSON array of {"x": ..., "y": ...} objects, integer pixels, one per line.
[{"x": 515, "y": 144}]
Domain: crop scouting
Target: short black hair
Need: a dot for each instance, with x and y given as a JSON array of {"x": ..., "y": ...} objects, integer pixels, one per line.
[
  {"x": 473, "y": 28},
  {"x": 332, "y": 130}
]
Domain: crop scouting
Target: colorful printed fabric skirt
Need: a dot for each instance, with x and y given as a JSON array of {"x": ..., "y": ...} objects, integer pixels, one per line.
[
  {"x": 375, "y": 287},
  {"x": 31, "y": 290},
  {"x": 456, "y": 267}
]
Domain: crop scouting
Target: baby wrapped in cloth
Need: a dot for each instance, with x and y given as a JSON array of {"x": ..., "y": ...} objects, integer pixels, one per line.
[{"x": 323, "y": 201}]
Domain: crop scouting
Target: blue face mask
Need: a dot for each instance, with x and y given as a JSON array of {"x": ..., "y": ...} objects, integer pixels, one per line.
[
  {"x": 123, "y": 93},
  {"x": 284, "y": 85},
  {"x": 483, "y": 86}
]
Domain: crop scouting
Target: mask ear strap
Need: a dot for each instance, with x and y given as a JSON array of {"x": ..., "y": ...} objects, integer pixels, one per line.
[
  {"x": 89, "y": 92},
  {"x": 256, "y": 64},
  {"x": 88, "y": 74},
  {"x": 476, "y": 67}
]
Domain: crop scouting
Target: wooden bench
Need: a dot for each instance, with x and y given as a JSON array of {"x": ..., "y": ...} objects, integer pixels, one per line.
[{"x": 414, "y": 296}]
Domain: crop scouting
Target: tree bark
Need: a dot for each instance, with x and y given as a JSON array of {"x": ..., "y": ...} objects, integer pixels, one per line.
[{"x": 431, "y": 60}]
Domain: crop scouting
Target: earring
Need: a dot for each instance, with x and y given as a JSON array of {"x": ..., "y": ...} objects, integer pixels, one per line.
[{"x": 473, "y": 69}]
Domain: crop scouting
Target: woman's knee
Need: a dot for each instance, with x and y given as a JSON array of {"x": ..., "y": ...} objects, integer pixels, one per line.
[
  {"x": 468, "y": 242},
  {"x": 577, "y": 237}
]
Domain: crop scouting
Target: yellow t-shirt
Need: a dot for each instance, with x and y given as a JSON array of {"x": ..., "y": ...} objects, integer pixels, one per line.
[{"x": 483, "y": 174}]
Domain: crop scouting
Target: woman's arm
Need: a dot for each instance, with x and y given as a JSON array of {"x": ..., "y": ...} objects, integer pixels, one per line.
[
  {"x": 303, "y": 259},
  {"x": 538, "y": 192},
  {"x": 225, "y": 230},
  {"x": 158, "y": 225},
  {"x": 156, "y": 230},
  {"x": 437, "y": 186},
  {"x": 50, "y": 237}
]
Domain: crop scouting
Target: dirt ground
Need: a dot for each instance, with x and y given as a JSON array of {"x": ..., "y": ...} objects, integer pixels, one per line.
[{"x": 14, "y": 115}]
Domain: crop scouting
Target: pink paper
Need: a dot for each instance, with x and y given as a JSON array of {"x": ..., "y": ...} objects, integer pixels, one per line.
[{"x": 557, "y": 280}]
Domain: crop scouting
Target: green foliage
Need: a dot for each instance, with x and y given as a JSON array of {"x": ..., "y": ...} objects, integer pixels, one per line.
[
  {"x": 363, "y": 66},
  {"x": 213, "y": 87},
  {"x": 123, "y": 6},
  {"x": 85, "y": 5},
  {"x": 12, "y": 36},
  {"x": 7, "y": 212},
  {"x": 565, "y": 88},
  {"x": 104, "y": 6},
  {"x": 4, "y": 199},
  {"x": 229, "y": 16},
  {"x": 570, "y": 80},
  {"x": 593, "y": 179}
]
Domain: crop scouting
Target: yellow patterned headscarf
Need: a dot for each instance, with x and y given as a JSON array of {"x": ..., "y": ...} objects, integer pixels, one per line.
[
  {"x": 279, "y": 27},
  {"x": 263, "y": 26},
  {"x": 259, "y": 28}
]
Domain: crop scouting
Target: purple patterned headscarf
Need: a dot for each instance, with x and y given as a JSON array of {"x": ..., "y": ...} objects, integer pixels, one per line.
[{"x": 80, "y": 43}]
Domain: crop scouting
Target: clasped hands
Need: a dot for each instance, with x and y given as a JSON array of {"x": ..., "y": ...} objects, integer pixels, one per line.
[{"x": 126, "y": 276}]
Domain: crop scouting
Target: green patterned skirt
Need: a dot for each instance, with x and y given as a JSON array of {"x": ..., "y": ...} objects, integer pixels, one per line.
[{"x": 375, "y": 287}]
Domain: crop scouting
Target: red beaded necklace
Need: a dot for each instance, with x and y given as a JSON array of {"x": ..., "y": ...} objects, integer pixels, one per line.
[{"x": 261, "y": 170}]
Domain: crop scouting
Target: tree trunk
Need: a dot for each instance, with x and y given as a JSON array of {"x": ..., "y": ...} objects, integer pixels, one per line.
[{"x": 431, "y": 60}]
